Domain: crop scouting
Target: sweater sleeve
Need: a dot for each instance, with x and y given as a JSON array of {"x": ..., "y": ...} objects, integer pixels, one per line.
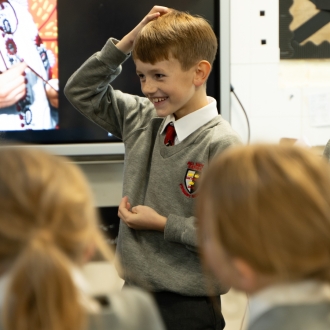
[
  {"x": 326, "y": 153},
  {"x": 181, "y": 230},
  {"x": 90, "y": 92}
]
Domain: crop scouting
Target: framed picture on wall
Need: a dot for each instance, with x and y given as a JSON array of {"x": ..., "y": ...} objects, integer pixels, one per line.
[{"x": 304, "y": 29}]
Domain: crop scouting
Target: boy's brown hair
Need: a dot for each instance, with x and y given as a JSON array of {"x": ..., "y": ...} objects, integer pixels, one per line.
[
  {"x": 187, "y": 38},
  {"x": 270, "y": 206}
]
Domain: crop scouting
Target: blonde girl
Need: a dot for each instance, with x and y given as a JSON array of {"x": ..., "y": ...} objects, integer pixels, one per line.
[
  {"x": 48, "y": 229},
  {"x": 264, "y": 220}
]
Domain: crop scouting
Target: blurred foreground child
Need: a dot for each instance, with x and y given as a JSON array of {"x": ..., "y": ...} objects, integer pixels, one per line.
[
  {"x": 264, "y": 216},
  {"x": 48, "y": 230}
]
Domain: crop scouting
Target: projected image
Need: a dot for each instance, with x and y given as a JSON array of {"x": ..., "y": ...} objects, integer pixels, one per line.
[
  {"x": 28, "y": 31},
  {"x": 53, "y": 38}
]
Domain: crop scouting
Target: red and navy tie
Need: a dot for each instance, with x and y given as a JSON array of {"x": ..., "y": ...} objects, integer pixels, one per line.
[{"x": 170, "y": 134}]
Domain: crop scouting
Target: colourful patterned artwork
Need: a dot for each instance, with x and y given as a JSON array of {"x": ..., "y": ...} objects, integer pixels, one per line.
[{"x": 44, "y": 13}]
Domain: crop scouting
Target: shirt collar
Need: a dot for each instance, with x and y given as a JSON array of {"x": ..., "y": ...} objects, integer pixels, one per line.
[
  {"x": 191, "y": 122},
  {"x": 304, "y": 292}
]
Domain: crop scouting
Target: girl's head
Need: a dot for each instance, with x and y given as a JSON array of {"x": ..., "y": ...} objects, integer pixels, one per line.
[
  {"x": 264, "y": 216},
  {"x": 48, "y": 225}
]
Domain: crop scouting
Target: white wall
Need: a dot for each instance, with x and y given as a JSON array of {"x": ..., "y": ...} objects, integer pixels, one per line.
[
  {"x": 279, "y": 96},
  {"x": 103, "y": 165},
  {"x": 106, "y": 181}
]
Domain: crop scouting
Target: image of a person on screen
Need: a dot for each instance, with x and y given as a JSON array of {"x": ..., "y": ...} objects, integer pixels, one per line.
[{"x": 28, "y": 95}]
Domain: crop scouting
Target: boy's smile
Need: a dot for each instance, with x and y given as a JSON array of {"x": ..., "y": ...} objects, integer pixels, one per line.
[{"x": 169, "y": 88}]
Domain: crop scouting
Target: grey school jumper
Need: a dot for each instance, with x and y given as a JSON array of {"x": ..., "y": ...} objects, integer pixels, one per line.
[
  {"x": 154, "y": 175},
  {"x": 326, "y": 152}
]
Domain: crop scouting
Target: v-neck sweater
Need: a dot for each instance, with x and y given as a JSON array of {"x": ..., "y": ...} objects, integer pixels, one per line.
[{"x": 154, "y": 175}]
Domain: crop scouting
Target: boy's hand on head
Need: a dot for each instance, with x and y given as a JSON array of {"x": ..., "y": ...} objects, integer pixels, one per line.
[
  {"x": 140, "y": 217},
  {"x": 126, "y": 44}
]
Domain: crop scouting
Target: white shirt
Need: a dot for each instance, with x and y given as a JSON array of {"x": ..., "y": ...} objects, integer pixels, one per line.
[
  {"x": 304, "y": 292},
  {"x": 191, "y": 122}
]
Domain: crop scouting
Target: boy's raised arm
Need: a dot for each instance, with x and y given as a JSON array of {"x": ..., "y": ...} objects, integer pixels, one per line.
[{"x": 126, "y": 43}]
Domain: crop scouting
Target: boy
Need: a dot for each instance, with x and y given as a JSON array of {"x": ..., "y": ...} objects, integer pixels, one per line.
[{"x": 173, "y": 53}]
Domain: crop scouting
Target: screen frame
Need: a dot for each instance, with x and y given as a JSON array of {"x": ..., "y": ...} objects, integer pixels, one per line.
[{"x": 97, "y": 150}]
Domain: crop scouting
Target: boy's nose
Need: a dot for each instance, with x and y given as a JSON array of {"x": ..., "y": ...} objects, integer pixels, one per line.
[{"x": 148, "y": 87}]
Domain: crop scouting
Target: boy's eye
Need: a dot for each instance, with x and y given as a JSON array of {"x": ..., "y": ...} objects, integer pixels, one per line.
[
  {"x": 159, "y": 75},
  {"x": 140, "y": 75}
]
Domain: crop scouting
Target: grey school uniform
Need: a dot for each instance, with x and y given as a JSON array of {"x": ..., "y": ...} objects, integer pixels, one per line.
[
  {"x": 326, "y": 152},
  {"x": 300, "y": 305},
  {"x": 154, "y": 175},
  {"x": 297, "y": 317},
  {"x": 127, "y": 310}
]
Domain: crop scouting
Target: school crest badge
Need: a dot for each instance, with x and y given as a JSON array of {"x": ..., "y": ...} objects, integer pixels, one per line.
[{"x": 192, "y": 175}]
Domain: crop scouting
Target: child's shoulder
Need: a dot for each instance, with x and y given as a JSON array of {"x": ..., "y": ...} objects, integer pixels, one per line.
[
  {"x": 303, "y": 317},
  {"x": 223, "y": 133},
  {"x": 217, "y": 135}
]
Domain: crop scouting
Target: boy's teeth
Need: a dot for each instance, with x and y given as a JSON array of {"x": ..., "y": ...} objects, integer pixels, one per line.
[{"x": 159, "y": 99}]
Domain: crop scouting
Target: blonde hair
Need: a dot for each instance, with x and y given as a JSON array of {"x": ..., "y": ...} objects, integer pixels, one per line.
[
  {"x": 270, "y": 206},
  {"x": 47, "y": 222},
  {"x": 187, "y": 38}
]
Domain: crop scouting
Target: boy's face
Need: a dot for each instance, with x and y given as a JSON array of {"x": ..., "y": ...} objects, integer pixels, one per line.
[{"x": 169, "y": 88}]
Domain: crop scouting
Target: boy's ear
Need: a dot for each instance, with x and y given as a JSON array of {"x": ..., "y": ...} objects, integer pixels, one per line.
[{"x": 202, "y": 72}]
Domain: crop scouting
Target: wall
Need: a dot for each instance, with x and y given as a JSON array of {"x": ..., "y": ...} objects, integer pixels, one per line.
[
  {"x": 106, "y": 182},
  {"x": 281, "y": 98}
]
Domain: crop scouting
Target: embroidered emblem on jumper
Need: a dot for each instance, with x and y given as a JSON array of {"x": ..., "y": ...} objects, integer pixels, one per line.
[{"x": 192, "y": 175}]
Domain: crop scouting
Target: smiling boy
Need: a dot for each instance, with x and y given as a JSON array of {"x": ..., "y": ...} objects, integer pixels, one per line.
[
  {"x": 173, "y": 53},
  {"x": 169, "y": 88}
]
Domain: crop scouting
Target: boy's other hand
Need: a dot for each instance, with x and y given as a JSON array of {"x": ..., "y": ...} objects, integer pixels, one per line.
[
  {"x": 12, "y": 85},
  {"x": 140, "y": 217},
  {"x": 126, "y": 44}
]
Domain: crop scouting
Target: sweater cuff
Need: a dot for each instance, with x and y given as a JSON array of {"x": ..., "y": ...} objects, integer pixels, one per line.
[
  {"x": 173, "y": 230},
  {"x": 111, "y": 55}
]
